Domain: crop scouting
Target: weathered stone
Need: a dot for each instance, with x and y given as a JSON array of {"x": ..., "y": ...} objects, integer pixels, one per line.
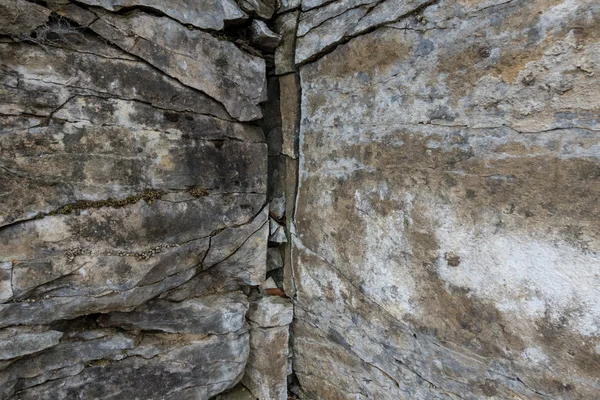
[
  {"x": 277, "y": 207},
  {"x": 245, "y": 267},
  {"x": 262, "y": 8},
  {"x": 262, "y": 37},
  {"x": 195, "y": 58},
  {"x": 203, "y": 316},
  {"x": 322, "y": 29},
  {"x": 266, "y": 372},
  {"x": 277, "y": 232},
  {"x": 439, "y": 251},
  {"x": 290, "y": 111},
  {"x": 285, "y": 25},
  {"x": 274, "y": 259},
  {"x": 270, "y": 311},
  {"x": 198, "y": 368},
  {"x": 287, "y": 5},
  {"x": 20, "y": 341},
  {"x": 20, "y": 17},
  {"x": 124, "y": 177},
  {"x": 204, "y": 14}
]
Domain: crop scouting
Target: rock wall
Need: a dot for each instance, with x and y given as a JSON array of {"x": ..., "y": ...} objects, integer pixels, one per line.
[
  {"x": 133, "y": 181},
  {"x": 420, "y": 177},
  {"x": 446, "y": 239}
]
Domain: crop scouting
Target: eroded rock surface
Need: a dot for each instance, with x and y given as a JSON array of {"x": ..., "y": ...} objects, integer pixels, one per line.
[
  {"x": 446, "y": 240},
  {"x": 127, "y": 172}
]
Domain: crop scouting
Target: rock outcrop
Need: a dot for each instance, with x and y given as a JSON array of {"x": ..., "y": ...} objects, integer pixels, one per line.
[
  {"x": 354, "y": 199},
  {"x": 134, "y": 217},
  {"x": 446, "y": 235}
]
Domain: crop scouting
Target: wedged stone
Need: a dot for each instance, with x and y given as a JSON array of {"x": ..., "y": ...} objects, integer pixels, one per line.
[
  {"x": 290, "y": 112},
  {"x": 270, "y": 311},
  {"x": 21, "y": 341},
  {"x": 19, "y": 17},
  {"x": 203, "y": 316},
  {"x": 195, "y": 58},
  {"x": 274, "y": 259},
  {"x": 203, "y": 14},
  {"x": 266, "y": 371},
  {"x": 285, "y": 25},
  {"x": 277, "y": 207},
  {"x": 262, "y": 8},
  {"x": 262, "y": 37},
  {"x": 276, "y": 232},
  {"x": 240, "y": 392}
]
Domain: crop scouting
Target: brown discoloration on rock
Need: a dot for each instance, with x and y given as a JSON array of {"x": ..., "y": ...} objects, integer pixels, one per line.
[{"x": 472, "y": 236}]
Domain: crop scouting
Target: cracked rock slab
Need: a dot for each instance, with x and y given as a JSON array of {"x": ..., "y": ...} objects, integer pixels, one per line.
[
  {"x": 19, "y": 17},
  {"x": 21, "y": 341},
  {"x": 197, "y": 59},
  {"x": 204, "y": 14},
  {"x": 444, "y": 229}
]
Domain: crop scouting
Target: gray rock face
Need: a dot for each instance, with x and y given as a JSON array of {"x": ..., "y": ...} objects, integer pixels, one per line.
[
  {"x": 262, "y": 37},
  {"x": 262, "y": 8},
  {"x": 20, "y": 341},
  {"x": 204, "y": 14},
  {"x": 445, "y": 230},
  {"x": 127, "y": 173},
  {"x": 20, "y": 17},
  {"x": 267, "y": 370},
  {"x": 271, "y": 311},
  {"x": 195, "y": 58}
]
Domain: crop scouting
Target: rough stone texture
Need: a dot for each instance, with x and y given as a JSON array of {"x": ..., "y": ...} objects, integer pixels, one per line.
[
  {"x": 262, "y": 37},
  {"x": 271, "y": 311},
  {"x": 446, "y": 233},
  {"x": 261, "y": 8},
  {"x": 20, "y": 17},
  {"x": 286, "y": 25},
  {"x": 267, "y": 370},
  {"x": 195, "y": 58},
  {"x": 127, "y": 173},
  {"x": 203, "y": 14}
]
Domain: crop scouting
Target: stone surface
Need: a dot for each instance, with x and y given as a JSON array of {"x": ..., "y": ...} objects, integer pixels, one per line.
[
  {"x": 20, "y": 341},
  {"x": 195, "y": 58},
  {"x": 446, "y": 234},
  {"x": 270, "y": 311},
  {"x": 211, "y": 315},
  {"x": 127, "y": 174},
  {"x": 20, "y": 17},
  {"x": 261, "y": 8},
  {"x": 274, "y": 259},
  {"x": 204, "y": 14},
  {"x": 285, "y": 25},
  {"x": 266, "y": 372},
  {"x": 290, "y": 113},
  {"x": 321, "y": 29}
]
